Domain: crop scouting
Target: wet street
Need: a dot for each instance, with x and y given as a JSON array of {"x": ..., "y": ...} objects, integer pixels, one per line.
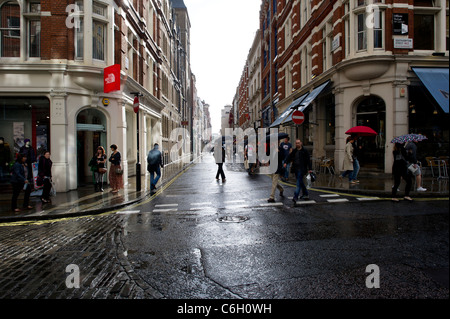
[{"x": 201, "y": 238}]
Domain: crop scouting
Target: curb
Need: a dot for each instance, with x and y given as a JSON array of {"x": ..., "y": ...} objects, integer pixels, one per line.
[{"x": 92, "y": 212}]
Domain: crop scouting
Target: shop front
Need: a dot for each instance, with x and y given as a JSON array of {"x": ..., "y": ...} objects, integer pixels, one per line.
[{"x": 23, "y": 119}]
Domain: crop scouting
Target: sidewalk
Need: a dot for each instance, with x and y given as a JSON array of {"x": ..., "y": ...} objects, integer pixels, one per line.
[{"x": 84, "y": 201}]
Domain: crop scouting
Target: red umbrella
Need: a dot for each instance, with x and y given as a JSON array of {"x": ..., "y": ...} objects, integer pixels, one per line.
[{"x": 361, "y": 131}]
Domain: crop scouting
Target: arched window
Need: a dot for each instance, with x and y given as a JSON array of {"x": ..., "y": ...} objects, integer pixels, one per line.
[{"x": 9, "y": 29}]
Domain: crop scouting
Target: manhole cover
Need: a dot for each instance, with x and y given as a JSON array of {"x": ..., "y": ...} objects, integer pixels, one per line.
[{"x": 232, "y": 219}]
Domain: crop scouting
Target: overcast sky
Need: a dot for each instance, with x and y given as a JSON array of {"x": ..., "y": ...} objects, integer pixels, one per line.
[{"x": 222, "y": 33}]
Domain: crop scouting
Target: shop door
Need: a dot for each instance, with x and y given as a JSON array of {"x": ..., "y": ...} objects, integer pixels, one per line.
[
  {"x": 371, "y": 112},
  {"x": 90, "y": 135}
]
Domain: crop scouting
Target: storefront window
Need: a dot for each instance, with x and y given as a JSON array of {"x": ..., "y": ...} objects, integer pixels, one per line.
[
  {"x": 427, "y": 117},
  {"x": 25, "y": 118},
  {"x": 330, "y": 117}
]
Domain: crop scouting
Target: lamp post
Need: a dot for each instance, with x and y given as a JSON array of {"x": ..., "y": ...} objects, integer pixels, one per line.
[{"x": 138, "y": 163}]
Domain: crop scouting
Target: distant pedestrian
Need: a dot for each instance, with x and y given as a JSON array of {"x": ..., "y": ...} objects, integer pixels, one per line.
[
  {"x": 357, "y": 150},
  {"x": 220, "y": 160},
  {"x": 279, "y": 157},
  {"x": 115, "y": 172},
  {"x": 411, "y": 148},
  {"x": 154, "y": 165},
  {"x": 30, "y": 154},
  {"x": 286, "y": 150},
  {"x": 19, "y": 181},
  {"x": 301, "y": 166},
  {"x": 400, "y": 170},
  {"x": 45, "y": 175},
  {"x": 347, "y": 165}
]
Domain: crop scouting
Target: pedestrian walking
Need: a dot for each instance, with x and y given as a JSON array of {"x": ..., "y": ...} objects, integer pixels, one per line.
[
  {"x": 411, "y": 148},
  {"x": 286, "y": 150},
  {"x": 115, "y": 172},
  {"x": 28, "y": 151},
  {"x": 154, "y": 165},
  {"x": 279, "y": 157},
  {"x": 300, "y": 165},
  {"x": 347, "y": 165},
  {"x": 400, "y": 170},
  {"x": 45, "y": 176},
  {"x": 98, "y": 167},
  {"x": 220, "y": 160},
  {"x": 19, "y": 181},
  {"x": 357, "y": 150}
]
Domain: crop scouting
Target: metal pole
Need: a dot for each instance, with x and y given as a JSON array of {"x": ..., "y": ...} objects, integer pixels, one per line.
[{"x": 138, "y": 163}]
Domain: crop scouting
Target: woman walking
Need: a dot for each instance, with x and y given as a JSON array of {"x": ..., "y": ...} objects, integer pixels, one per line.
[
  {"x": 99, "y": 168},
  {"x": 19, "y": 181},
  {"x": 45, "y": 175},
  {"x": 116, "y": 172},
  {"x": 347, "y": 166},
  {"x": 400, "y": 170}
]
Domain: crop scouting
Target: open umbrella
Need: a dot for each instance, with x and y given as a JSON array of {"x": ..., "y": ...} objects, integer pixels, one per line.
[
  {"x": 278, "y": 136},
  {"x": 409, "y": 138},
  {"x": 361, "y": 131}
]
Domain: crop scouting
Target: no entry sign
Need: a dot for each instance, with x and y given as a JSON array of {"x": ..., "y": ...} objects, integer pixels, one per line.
[{"x": 298, "y": 117}]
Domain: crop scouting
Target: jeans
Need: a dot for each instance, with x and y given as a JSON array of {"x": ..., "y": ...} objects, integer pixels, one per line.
[
  {"x": 356, "y": 167},
  {"x": 349, "y": 173},
  {"x": 300, "y": 185},
  {"x": 286, "y": 172},
  {"x": 154, "y": 180},
  {"x": 220, "y": 171}
]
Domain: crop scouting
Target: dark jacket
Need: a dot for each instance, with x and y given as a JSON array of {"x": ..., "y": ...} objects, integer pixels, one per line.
[
  {"x": 45, "y": 167},
  {"x": 154, "y": 159},
  {"x": 400, "y": 165},
  {"x": 281, "y": 157},
  {"x": 301, "y": 161},
  {"x": 115, "y": 158},
  {"x": 18, "y": 174},
  {"x": 217, "y": 158}
]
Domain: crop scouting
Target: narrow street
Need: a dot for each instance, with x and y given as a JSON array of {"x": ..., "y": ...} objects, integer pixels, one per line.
[{"x": 198, "y": 238}]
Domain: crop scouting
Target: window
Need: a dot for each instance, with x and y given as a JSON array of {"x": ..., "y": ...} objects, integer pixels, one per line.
[
  {"x": 98, "y": 40},
  {"x": 424, "y": 32},
  {"x": 361, "y": 32},
  {"x": 378, "y": 30},
  {"x": 99, "y": 15},
  {"x": 79, "y": 32},
  {"x": 9, "y": 29},
  {"x": 34, "y": 29}
]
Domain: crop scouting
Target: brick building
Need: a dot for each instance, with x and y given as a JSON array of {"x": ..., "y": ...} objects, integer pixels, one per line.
[
  {"x": 52, "y": 60},
  {"x": 356, "y": 62}
]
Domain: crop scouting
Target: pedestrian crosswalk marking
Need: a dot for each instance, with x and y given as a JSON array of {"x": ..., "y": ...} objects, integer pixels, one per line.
[
  {"x": 199, "y": 204},
  {"x": 165, "y": 210},
  {"x": 339, "y": 200},
  {"x": 234, "y": 201},
  {"x": 367, "y": 198},
  {"x": 166, "y": 205},
  {"x": 131, "y": 212},
  {"x": 330, "y": 195},
  {"x": 271, "y": 204},
  {"x": 306, "y": 202}
]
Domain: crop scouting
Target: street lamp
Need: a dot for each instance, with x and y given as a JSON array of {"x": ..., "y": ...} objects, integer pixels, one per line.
[{"x": 138, "y": 163}]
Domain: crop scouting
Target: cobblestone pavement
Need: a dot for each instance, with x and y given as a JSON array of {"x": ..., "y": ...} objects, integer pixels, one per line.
[{"x": 34, "y": 257}]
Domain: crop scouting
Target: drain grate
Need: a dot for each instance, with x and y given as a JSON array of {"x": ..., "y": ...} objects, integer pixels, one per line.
[{"x": 232, "y": 219}]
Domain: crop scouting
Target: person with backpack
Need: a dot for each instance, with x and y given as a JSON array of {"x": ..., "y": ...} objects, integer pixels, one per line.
[{"x": 154, "y": 165}]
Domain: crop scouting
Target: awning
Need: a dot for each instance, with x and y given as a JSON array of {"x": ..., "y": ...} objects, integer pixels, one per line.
[
  {"x": 299, "y": 104},
  {"x": 286, "y": 116},
  {"x": 312, "y": 96},
  {"x": 436, "y": 80}
]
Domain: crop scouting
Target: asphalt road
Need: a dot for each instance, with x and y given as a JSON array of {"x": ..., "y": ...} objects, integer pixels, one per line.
[{"x": 205, "y": 239}]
